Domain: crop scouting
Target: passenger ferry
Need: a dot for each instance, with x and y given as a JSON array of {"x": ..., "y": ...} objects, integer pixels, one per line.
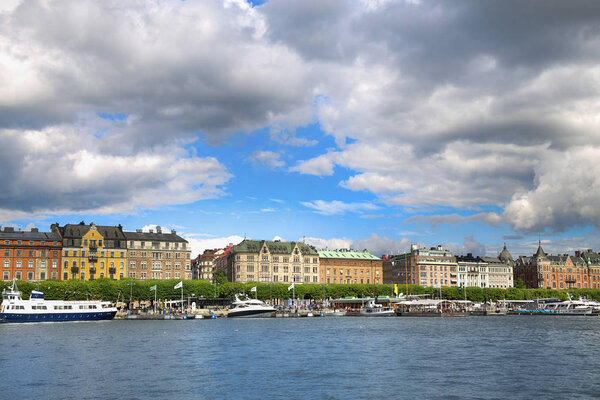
[{"x": 36, "y": 309}]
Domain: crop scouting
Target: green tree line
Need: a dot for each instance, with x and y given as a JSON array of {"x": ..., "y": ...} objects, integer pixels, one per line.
[{"x": 106, "y": 289}]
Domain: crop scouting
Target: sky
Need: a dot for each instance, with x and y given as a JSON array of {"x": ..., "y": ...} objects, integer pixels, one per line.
[{"x": 367, "y": 124}]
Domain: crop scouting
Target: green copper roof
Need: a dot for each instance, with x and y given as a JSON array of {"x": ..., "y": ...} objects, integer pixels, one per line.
[
  {"x": 347, "y": 254},
  {"x": 277, "y": 247}
]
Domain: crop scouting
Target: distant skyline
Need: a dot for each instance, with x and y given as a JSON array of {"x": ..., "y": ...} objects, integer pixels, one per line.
[{"x": 366, "y": 124}]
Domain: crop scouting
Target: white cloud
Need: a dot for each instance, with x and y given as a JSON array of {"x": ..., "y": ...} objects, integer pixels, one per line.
[
  {"x": 199, "y": 245},
  {"x": 377, "y": 245},
  {"x": 319, "y": 166},
  {"x": 267, "y": 158},
  {"x": 338, "y": 207}
]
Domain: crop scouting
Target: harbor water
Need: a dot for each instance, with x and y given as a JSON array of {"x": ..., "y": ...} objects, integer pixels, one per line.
[{"x": 511, "y": 357}]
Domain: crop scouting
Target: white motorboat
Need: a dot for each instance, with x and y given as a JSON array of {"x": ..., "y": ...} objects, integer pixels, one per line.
[
  {"x": 334, "y": 313},
  {"x": 250, "y": 308},
  {"x": 37, "y": 309},
  {"x": 373, "y": 309}
]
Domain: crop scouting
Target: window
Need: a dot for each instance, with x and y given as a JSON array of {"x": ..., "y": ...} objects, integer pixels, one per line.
[
  {"x": 54, "y": 275},
  {"x": 121, "y": 264},
  {"x": 18, "y": 263},
  {"x": 30, "y": 253},
  {"x": 6, "y": 253},
  {"x": 6, "y": 264},
  {"x": 121, "y": 275},
  {"x": 42, "y": 275},
  {"x": 66, "y": 276},
  {"x": 132, "y": 265},
  {"x": 19, "y": 253},
  {"x": 6, "y": 275}
]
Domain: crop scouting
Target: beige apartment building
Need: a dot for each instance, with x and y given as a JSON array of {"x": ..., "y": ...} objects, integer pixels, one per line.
[
  {"x": 276, "y": 261},
  {"x": 349, "y": 266},
  {"x": 158, "y": 255}
]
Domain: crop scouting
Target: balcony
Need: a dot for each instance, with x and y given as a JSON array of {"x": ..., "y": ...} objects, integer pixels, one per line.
[
  {"x": 112, "y": 270},
  {"x": 93, "y": 258},
  {"x": 74, "y": 270},
  {"x": 92, "y": 270}
]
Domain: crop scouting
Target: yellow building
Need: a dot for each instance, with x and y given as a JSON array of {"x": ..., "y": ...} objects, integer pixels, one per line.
[{"x": 91, "y": 252}]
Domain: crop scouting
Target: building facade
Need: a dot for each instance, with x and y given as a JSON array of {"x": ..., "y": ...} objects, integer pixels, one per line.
[
  {"x": 90, "y": 252},
  {"x": 559, "y": 271},
  {"x": 276, "y": 261},
  {"x": 31, "y": 255},
  {"x": 349, "y": 266},
  {"x": 203, "y": 265},
  {"x": 433, "y": 266},
  {"x": 472, "y": 271},
  {"x": 157, "y": 255}
]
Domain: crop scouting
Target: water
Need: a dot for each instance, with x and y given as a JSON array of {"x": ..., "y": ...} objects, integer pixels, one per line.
[{"x": 516, "y": 357}]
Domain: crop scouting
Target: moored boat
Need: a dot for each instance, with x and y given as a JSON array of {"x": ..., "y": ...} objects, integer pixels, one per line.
[
  {"x": 37, "y": 309},
  {"x": 250, "y": 308},
  {"x": 373, "y": 309}
]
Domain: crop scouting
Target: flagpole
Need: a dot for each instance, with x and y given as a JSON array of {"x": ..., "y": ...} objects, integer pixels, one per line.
[
  {"x": 182, "y": 299},
  {"x": 155, "y": 301}
]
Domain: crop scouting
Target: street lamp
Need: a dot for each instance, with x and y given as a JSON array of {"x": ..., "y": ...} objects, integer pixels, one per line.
[{"x": 131, "y": 284}]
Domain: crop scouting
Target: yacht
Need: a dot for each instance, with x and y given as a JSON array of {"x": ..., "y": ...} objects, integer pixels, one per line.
[
  {"x": 37, "y": 309},
  {"x": 373, "y": 309},
  {"x": 250, "y": 308}
]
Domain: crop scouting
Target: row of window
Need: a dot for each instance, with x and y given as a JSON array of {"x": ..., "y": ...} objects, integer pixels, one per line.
[
  {"x": 19, "y": 264},
  {"x": 350, "y": 280},
  {"x": 30, "y": 275},
  {"x": 77, "y": 253},
  {"x": 348, "y": 272},
  {"x": 158, "y": 275},
  {"x": 41, "y": 253},
  {"x": 30, "y": 243},
  {"x": 157, "y": 245}
]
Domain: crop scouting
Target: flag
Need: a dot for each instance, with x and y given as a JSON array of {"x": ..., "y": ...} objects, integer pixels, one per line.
[
  {"x": 291, "y": 286},
  {"x": 180, "y": 284},
  {"x": 253, "y": 289},
  {"x": 153, "y": 287},
  {"x": 396, "y": 289}
]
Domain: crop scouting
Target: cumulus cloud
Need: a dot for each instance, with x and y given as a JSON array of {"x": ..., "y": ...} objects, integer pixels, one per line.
[
  {"x": 454, "y": 104},
  {"x": 377, "y": 245},
  {"x": 267, "y": 158},
  {"x": 59, "y": 169},
  {"x": 338, "y": 207},
  {"x": 199, "y": 244}
]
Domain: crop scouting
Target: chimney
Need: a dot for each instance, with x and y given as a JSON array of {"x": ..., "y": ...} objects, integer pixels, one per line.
[
  {"x": 439, "y": 247},
  {"x": 577, "y": 253},
  {"x": 469, "y": 255},
  {"x": 35, "y": 230},
  {"x": 138, "y": 231},
  {"x": 158, "y": 229},
  {"x": 589, "y": 250},
  {"x": 151, "y": 230},
  {"x": 9, "y": 229},
  {"x": 173, "y": 231}
]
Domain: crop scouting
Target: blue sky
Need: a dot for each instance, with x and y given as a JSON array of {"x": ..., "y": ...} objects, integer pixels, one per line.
[{"x": 362, "y": 124}]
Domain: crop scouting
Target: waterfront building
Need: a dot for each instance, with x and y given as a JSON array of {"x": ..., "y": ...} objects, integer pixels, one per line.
[
  {"x": 90, "y": 252},
  {"x": 158, "y": 255},
  {"x": 500, "y": 269},
  {"x": 203, "y": 265},
  {"x": 30, "y": 255},
  {"x": 433, "y": 266},
  {"x": 349, "y": 266},
  {"x": 472, "y": 271},
  {"x": 276, "y": 261},
  {"x": 560, "y": 271}
]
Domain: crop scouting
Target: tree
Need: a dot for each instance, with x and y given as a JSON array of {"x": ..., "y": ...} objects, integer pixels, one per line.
[
  {"x": 519, "y": 284},
  {"x": 220, "y": 277}
]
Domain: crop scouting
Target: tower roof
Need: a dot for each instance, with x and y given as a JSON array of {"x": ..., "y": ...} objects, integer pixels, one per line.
[{"x": 505, "y": 255}]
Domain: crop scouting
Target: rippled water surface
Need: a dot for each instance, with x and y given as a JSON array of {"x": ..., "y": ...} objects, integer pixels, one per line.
[{"x": 517, "y": 357}]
